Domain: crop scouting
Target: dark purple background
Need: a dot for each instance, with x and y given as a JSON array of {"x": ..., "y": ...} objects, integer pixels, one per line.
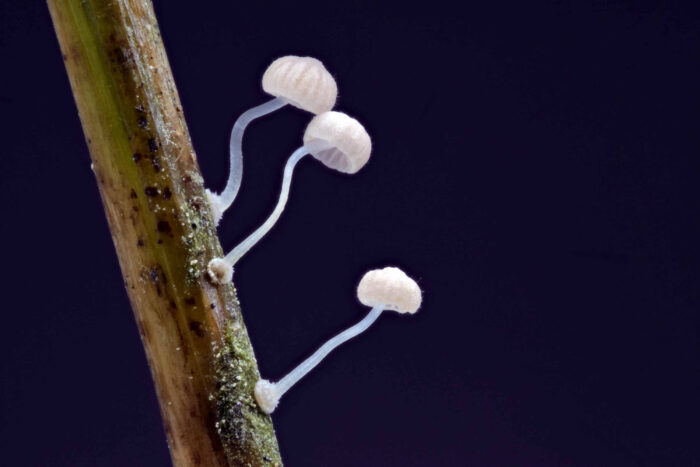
[{"x": 535, "y": 168}]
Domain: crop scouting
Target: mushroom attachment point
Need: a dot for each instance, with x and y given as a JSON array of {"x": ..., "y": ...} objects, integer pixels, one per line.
[
  {"x": 299, "y": 81},
  {"x": 337, "y": 140},
  {"x": 382, "y": 289},
  {"x": 220, "y": 271}
]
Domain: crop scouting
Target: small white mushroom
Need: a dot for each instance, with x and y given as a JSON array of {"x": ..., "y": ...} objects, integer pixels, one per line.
[
  {"x": 300, "y": 81},
  {"x": 382, "y": 289},
  {"x": 338, "y": 141}
]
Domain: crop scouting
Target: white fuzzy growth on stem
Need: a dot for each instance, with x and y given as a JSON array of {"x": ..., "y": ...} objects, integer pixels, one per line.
[{"x": 220, "y": 271}]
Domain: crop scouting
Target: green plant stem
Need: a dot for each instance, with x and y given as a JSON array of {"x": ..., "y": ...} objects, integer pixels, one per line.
[{"x": 197, "y": 347}]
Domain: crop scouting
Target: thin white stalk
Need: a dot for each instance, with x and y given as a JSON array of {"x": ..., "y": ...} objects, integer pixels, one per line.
[
  {"x": 242, "y": 248},
  {"x": 307, "y": 365},
  {"x": 226, "y": 198}
]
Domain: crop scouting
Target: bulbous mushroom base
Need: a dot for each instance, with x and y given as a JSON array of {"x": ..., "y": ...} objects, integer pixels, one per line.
[
  {"x": 217, "y": 210},
  {"x": 266, "y": 396},
  {"x": 220, "y": 271}
]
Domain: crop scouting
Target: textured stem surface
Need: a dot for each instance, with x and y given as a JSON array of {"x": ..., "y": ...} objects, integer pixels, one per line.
[{"x": 200, "y": 356}]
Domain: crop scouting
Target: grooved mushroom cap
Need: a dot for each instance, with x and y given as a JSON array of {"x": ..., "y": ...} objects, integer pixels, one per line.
[
  {"x": 303, "y": 82},
  {"x": 390, "y": 287},
  {"x": 350, "y": 145}
]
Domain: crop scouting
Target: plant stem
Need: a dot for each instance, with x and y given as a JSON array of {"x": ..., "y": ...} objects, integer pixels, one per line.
[{"x": 197, "y": 347}]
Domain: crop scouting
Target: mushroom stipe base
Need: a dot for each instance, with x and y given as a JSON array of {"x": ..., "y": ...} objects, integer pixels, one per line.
[{"x": 235, "y": 404}]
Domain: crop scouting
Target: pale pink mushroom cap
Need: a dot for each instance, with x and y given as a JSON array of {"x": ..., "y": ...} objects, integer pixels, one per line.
[
  {"x": 347, "y": 145},
  {"x": 390, "y": 287},
  {"x": 301, "y": 81}
]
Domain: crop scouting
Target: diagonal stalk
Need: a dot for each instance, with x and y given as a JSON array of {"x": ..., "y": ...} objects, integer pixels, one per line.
[{"x": 197, "y": 347}]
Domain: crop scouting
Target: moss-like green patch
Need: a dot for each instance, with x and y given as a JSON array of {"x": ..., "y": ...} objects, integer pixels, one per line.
[{"x": 242, "y": 426}]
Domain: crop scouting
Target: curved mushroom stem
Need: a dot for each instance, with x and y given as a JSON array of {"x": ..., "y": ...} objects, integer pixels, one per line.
[
  {"x": 226, "y": 198},
  {"x": 268, "y": 394},
  {"x": 243, "y": 247},
  {"x": 307, "y": 365}
]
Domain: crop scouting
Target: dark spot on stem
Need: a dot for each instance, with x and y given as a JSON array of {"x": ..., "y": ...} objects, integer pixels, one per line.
[
  {"x": 136, "y": 157},
  {"x": 133, "y": 194},
  {"x": 194, "y": 226},
  {"x": 151, "y": 191},
  {"x": 160, "y": 241},
  {"x": 156, "y": 280},
  {"x": 140, "y": 242},
  {"x": 212, "y": 306},
  {"x": 166, "y": 426},
  {"x": 120, "y": 56},
  {"x": 156, "y": 163},
  {"x": 163, "y": 227},
  {"x": 190, "y": 301},
  {"x": 143, "y": 330},
  {"x": 197, "y": 328},
  {"x": 152, "y": 145},
  {"x": 143, "y": 123},
  {"x": 167, "y": 193}
]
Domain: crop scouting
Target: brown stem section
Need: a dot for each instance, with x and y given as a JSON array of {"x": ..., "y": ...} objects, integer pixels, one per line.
[{"x": 195, "y": 340}]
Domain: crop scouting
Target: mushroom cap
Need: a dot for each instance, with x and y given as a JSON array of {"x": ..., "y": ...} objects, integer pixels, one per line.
[
  {"x": 350, "y": 145},
  {"x": 301, "y": 81},
  {"x": 390, "y": 287}
]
